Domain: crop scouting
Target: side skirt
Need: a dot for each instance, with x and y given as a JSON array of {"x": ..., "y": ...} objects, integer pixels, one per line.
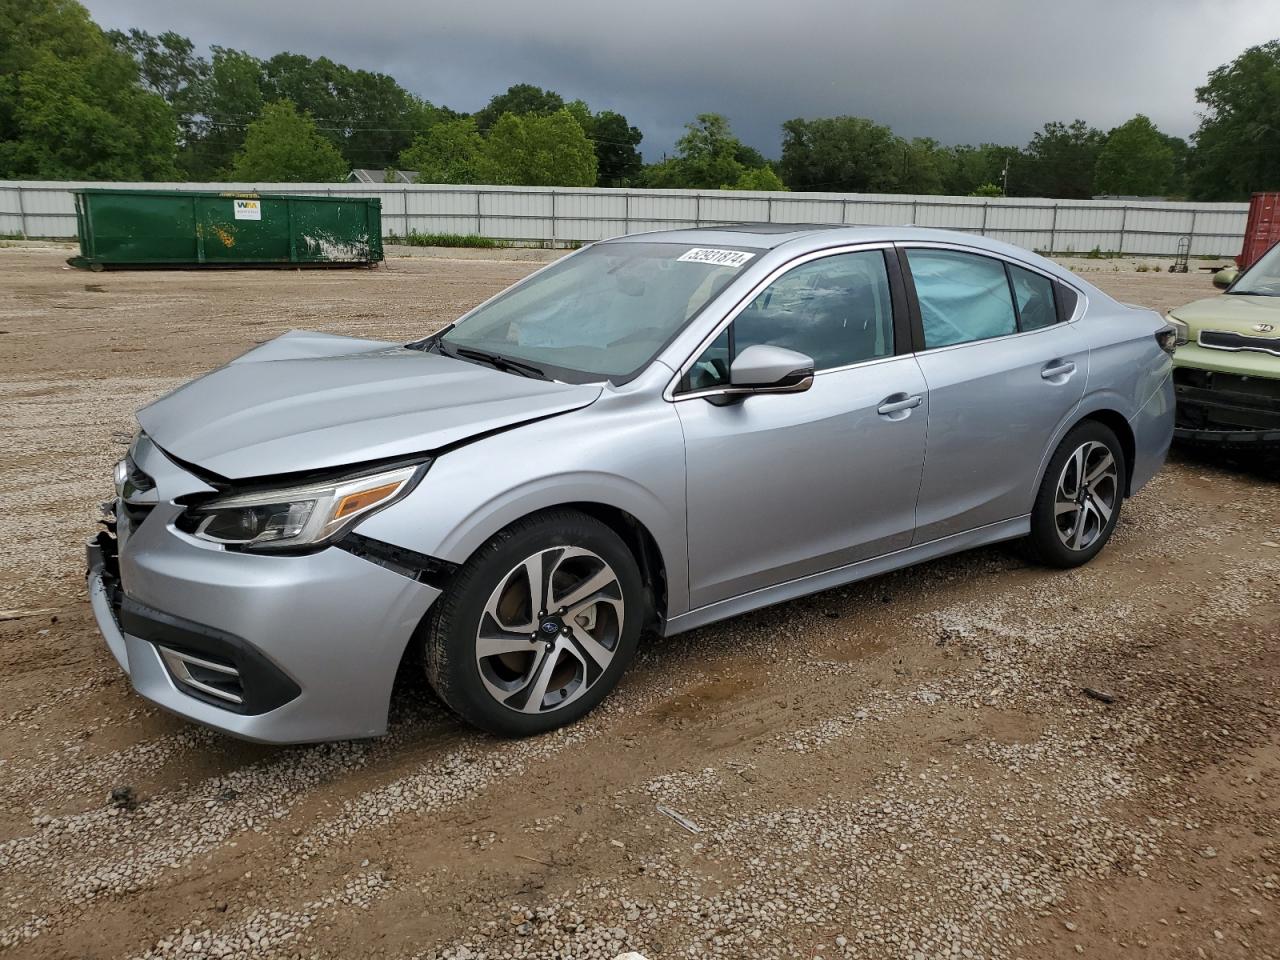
[{"x": 851, "y": 573}]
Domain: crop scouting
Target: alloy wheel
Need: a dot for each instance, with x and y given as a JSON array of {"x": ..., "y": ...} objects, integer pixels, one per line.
[
  {"x": 1087, "y": 494},
  {"x": 550, "y": 629}
]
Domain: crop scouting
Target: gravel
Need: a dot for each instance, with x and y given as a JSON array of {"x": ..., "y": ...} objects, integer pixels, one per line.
[{"x": 905, "y": 768}]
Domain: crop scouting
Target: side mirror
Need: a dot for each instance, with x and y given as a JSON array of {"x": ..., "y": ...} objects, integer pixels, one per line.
[
  {"x": 1225, "y": 277},
  {"x": 763, "y": 368}
]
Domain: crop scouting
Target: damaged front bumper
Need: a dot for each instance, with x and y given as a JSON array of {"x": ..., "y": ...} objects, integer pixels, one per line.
[
  {"x": 1227, "y": 408},
  {"x": 103, "y": 579},
  {"x": 276, "y": 649}
]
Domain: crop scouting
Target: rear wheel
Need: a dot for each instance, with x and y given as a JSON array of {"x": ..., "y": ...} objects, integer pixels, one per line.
[
  {"x": 1080, "y": 497},
  {"x": 537, "y": 626}
]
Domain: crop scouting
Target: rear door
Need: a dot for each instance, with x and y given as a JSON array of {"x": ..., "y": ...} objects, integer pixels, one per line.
[
  {"x": 785, "y": 485},
  {"x": 1003, "y": 372}
]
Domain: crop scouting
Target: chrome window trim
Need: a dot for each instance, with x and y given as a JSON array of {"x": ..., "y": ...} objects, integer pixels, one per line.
[
  {"x": 800, "y": 387},
  {"x": 862, "y": 363},
  {"x": 1082, "y": 303},
  {"x": 1000, "y": 339},
  {"x": 1082, "y": 298},
  {"x": 669, "y": 393},
  {"x": 1214, "y": 346}
]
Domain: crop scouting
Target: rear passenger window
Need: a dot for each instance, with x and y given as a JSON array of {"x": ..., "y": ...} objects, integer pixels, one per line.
[
  {"x": 1034, "y": 293},
  {"x": 963, "y": 297},
  {"x": 1067, "y": 299}
]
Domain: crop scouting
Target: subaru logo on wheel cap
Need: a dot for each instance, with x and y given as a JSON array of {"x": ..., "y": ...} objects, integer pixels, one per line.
[{"x": 550, "y": 626}]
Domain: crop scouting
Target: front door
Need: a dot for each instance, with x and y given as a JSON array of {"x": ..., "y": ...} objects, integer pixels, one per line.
[{"x": 785, "y": 485}]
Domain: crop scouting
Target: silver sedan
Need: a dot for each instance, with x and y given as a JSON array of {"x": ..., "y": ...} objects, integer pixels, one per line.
[{"x": 652, "y": 434}]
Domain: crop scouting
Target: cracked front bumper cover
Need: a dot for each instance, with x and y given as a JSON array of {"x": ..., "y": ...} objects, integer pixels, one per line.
[
  {"x": 103, "y": 579},
  {"x": 314, "y": 640},
  {"x": 1214, "y": 407}
]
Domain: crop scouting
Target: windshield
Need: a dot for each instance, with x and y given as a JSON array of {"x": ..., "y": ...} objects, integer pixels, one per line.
[
  {"x": 601, "y": 314},
  {"x": 1263, "y": 278}
]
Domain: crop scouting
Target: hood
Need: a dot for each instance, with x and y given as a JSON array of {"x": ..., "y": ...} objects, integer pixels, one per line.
[
  {"x": 311, "y": 401},
  {"x": 1231, "y": 312}
]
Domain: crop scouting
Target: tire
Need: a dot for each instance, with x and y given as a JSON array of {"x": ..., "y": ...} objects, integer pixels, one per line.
[
  {"x": 490, "y": 651},
  {"x": 1057, "y": 538}
]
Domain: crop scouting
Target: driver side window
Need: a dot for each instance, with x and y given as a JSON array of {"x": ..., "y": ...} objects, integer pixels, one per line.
[{"x": 836, "y": 310}]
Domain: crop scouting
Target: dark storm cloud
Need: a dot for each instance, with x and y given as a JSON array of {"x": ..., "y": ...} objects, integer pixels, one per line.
[{"x": 985, "y": 70}]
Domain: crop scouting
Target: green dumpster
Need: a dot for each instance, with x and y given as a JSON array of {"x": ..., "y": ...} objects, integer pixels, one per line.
[{"x": 129, "y": 228}]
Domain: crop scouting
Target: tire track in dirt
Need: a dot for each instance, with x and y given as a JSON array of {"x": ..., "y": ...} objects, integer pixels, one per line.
[
  {"x": 1003, "y": 834},
  {"x": 1013, "y": 626}
]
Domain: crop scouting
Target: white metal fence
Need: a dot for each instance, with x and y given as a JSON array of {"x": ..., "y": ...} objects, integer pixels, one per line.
[{"x": 567, "y": 215}]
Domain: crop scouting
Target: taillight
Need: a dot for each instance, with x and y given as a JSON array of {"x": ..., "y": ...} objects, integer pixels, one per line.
[{"x": 1168, "y": 340}]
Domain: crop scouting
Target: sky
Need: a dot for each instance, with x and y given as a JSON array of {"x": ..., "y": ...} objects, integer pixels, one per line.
[{"x": 960, "y": 72}]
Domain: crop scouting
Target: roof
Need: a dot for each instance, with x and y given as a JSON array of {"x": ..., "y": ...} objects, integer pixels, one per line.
[
  {"x": 362, "y": 175},
  {"x": 802, "y": 238},
  {"x": 767, "y": 236},
  {"x": 759, "y": 236}
]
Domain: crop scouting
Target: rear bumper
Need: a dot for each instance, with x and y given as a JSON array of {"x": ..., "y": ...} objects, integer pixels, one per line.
[{"x": 284, "y": 649}]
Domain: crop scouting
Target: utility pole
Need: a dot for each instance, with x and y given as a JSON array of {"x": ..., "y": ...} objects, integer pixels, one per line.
[{"x": 1004, "y": 179}]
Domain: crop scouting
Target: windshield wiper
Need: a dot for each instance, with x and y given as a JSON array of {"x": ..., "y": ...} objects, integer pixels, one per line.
[{"x": 499, "y": 362}]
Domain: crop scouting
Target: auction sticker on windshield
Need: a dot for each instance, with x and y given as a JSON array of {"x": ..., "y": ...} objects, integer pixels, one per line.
[{"x": 719, "y": 258}]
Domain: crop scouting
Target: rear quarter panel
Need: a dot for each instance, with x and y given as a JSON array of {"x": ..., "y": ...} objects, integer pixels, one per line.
[{"x": 1129, "y": 374}]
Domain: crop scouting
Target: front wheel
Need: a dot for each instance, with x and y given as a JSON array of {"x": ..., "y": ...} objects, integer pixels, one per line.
[
  {"x": 537, "y": 626},
  {"x": 1080, "y": 497}
]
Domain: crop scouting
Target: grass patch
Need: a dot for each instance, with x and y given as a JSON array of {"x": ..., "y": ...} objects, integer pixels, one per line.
[{"x": 415, "y": 239}]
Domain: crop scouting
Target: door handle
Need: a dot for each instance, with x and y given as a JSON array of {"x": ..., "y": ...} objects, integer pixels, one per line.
[
  {"x": 1058, "y": 368},
  {"x": 897, "y": 403}
]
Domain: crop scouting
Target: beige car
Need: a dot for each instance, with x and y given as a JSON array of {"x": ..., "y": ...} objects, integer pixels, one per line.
[{"x": 1227, "y": 365}]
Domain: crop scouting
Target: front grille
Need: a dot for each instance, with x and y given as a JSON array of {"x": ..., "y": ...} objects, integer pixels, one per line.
[
  {"x": 109, "y": 547},
  {"x": 1223, "y": 340},
  {"x": 1229, "y": 383},
  {"x": 136, "y": 480},
  {"x": 135, "y": 513},
  {"x": 1211, "y": 400},
  {"x": 135, "y": 492}
]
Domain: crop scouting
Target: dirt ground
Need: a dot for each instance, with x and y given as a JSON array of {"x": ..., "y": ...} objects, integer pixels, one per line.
[{"x": 904, "y": 768}]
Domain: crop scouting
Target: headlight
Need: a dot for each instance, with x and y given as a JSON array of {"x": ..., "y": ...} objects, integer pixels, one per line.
[
  {"x": 1181, "y": 332},
  {"x": 292, "y": 518}
]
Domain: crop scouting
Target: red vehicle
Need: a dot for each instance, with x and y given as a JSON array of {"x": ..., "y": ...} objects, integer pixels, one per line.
[{"x": 1262, "y": 231}]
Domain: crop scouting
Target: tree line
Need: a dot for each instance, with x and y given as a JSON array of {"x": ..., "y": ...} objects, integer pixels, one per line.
[{"x": 78, "y": 102}]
